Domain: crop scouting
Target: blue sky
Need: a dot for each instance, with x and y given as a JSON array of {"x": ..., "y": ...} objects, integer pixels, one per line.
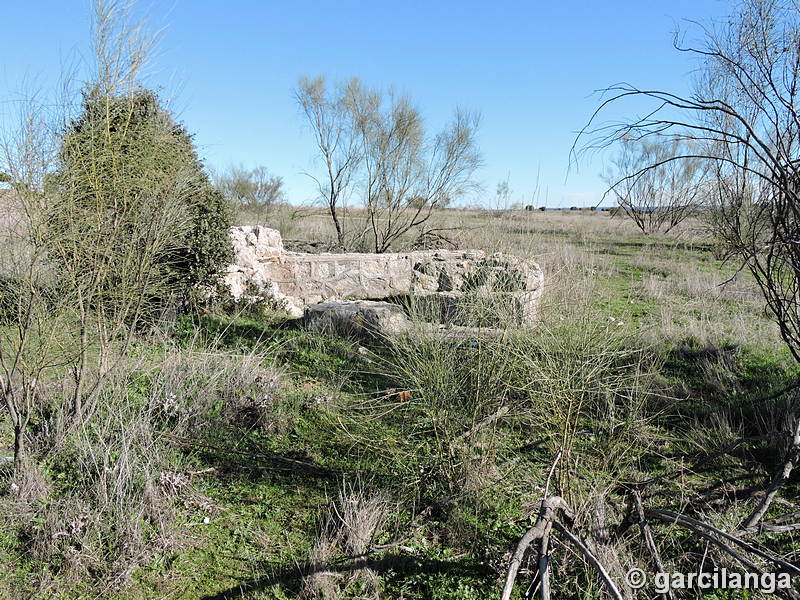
[{"x": 530, "y": 68}]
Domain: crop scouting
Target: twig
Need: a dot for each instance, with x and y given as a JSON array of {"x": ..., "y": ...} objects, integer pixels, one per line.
[
  {"x": 694, "y": 524},
  {"x": 610, "y": 586},
  {"x": 648, "y": 538},
  {"x": 550, "y": 474}
]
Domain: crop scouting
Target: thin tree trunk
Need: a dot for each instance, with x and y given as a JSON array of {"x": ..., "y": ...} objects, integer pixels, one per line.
[
  {"x": 337, "y": 225},
  {"x": 19, "y": 448}
]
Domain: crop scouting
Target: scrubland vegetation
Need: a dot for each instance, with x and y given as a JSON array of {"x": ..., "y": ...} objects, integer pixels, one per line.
[
  {"x": 234, "y": 454},
  {"x": 160, "y": 442}
]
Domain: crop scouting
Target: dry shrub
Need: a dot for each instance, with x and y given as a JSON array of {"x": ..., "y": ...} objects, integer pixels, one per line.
[
  {"x": 360, "y": 517},
  {"x": 351, "y": 525},
  {"x": 672, "y": 282},
  {"x": 32, "y": 486},
  {"x": 118, "y": 485},
  {"x": 720, "y": 370},
  {"x": 655, "y": 287},
  {"x": 480, "y": 471},
  {"x": 113, "y": 514},
  {"x": 321, "y": 582},
  {"x": 189, "y": 388},
  {"x": 712, "y": 326}
]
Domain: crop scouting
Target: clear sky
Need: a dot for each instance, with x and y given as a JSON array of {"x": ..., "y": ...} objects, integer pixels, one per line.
[{"x": 530, "y": 68}]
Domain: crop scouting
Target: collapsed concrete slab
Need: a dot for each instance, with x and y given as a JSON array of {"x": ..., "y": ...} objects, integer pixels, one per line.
[{"x": 264, "y": 271}]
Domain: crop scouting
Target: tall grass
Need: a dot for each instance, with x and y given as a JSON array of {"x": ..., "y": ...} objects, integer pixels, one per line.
[{"x": 107, "y": 498}]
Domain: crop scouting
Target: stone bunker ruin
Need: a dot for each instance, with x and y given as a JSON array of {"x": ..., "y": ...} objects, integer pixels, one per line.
[{"x": 377, "y": 292}]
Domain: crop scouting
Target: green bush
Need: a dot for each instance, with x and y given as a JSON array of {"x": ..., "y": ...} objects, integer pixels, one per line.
[{"x": 128, "y": 173}]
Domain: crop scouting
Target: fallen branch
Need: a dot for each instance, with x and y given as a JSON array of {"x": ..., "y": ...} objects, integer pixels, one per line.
[
  {"x": 611, "y": 587},
  {"x": 698, "y": 526},
  {"x": 543, "y": 523},
  {"x": 544, "y": 562},
  {"x": 778, "y": 481},
  {"x": 488, "y": 420},
  {"x": 679, "y": 519},
  {"x": 541, "y": 531},
  {"x": 648, "y": 538},
  {"x": 767, "y": 528}
]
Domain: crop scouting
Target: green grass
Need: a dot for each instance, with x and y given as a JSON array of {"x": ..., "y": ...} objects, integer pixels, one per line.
[{"x": 337, "y": 423}]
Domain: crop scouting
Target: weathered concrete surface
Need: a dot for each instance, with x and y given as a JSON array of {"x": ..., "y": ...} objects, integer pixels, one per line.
[
  {"x": 370, "y": 319},
  {"x": 357, "y": 317},
  {"x": 263, "y": 270}
]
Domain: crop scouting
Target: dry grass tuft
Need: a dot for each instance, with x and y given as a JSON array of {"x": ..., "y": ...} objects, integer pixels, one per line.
[{"x": 353, "y": 522}]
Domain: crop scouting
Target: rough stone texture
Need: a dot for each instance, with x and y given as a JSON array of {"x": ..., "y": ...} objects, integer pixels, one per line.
[
  {"x": 357, "y": 317},
  {"x": 263, "y": 270},
  {"x": 256, "y": 251},
  {"x": 373, "y": 319}
]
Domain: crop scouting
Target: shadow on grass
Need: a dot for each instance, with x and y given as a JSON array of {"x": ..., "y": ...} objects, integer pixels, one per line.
[
  {"x": 668, "y": 245},
  {"x": 393, "y": 567},
  {"x": 309, "y": 354},
  {"x": 305, "y": 448},
  {"x": 729, "y": 375},
  {"x": 247, "y": 458},
  {"x": 245, "y": 332}
]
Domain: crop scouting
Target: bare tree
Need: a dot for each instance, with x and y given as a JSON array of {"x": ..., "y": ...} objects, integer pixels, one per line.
[
  {"x": 742, "y": 120},
  {"x": 407, "y": 176},
  {"x": 658, "y": 198},
  {"x": 502, "y": 195},
  {"x": 374, "y": 143},
  {"x": 27, "y": 151},
  {"x": 255, "y": 190},
  {"x": 329, "y": 114}
]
